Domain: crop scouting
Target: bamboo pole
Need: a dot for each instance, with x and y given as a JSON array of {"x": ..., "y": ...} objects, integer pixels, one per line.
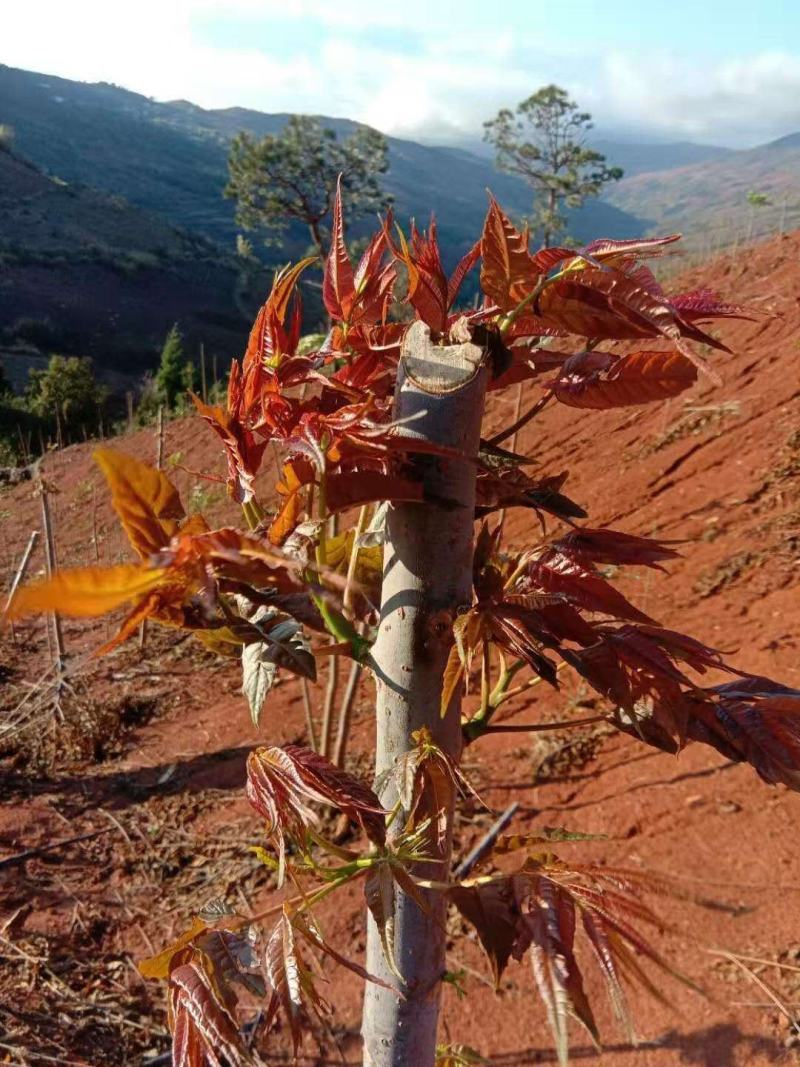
[
  {"x": 427, "y": 576},
  {"x": 21, "y": 570}
]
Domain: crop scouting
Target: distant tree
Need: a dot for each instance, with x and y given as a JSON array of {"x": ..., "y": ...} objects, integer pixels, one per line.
[
  {"x": 291, "y": 176},
  {"x": 171, "y": 374},
  {"x": 543, "y": 142},
  {"x": 5, "y": 384},
  {"x": 189, "y": 376},
  {"x": 67, "y": 392},
  {"x": 6, "y": 137},
  {"x": 756, "y": 200}
]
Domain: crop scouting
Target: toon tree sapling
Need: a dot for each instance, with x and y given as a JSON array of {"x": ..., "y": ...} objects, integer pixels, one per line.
[{"x": 430, "y": 600}]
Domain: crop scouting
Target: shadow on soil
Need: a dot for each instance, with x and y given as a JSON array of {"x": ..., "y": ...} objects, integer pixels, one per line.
[
  {"x": 723, "y": 1045},
  {"x": 224, "y": 769}
]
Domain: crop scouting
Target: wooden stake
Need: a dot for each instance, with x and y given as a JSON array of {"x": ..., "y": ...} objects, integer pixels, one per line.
[
  {"x": 26, "y": 456},
  {"x": 51, "y": 564},
  {"x": 159, "y": 462},
  {"x": 21, "y": 569},
  {"x": 203, "y": 387},
  {"x": 160, "y": 438},
  {"x": 59, "y": 434},
  {"x": 312, "y": 735},
  {"x": 345, "y": 713}
]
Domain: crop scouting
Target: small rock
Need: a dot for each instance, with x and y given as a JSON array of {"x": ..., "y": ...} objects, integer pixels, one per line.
[
  {"x": 693, "y": 801},
  {"x": 728, "y": 807}
]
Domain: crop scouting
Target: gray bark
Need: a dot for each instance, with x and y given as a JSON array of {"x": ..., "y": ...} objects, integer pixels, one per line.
[{"x": 427, "y": 577}]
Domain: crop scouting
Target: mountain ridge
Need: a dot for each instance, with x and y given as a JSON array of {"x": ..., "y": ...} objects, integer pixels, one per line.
[{"x": 148, "y": 151}]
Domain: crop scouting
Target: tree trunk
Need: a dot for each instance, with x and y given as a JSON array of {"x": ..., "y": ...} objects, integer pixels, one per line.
[{"x": 427, "y": 577}]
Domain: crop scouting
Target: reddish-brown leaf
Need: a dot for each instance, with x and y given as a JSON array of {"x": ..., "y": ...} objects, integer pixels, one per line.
[
  {"x": 612, "y": 546},
  {"x": 490, "y": 907},
  {"x": 508, "y": 271},
  {"x": 201, "y": 1011},
  {"x": 638, "y": 378},
  {"x": 700, "y": 304},
  {"x": 285, "y": 980},
  {"x": 756, "y": 720},
  {"x": 379, "y": 895},
  {"x": 243, "y": 452},
  {"x": 462, "y": 269},
  {"x": 145, "y": 500},
  {"x": 554, "y": 571},
  {"x": 607, "y": 304},
  {"x": 282, "y": 783}
]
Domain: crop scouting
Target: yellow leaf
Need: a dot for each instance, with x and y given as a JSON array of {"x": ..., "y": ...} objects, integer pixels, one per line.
[
  {"x": 223, "y": 641},
  {"x": 86, "y": 591},
  {"x": 286, "y": 519},
  {"x": 369, "y": 564},
  {"x": 453, "y": 676},
  {"x": 158, "y": 966},
  {"x": 145, "y": 500}
]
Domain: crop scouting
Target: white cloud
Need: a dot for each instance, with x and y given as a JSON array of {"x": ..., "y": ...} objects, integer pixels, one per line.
[
  {"x": 457, "y": 75},
  {"x": 741, "y": 101}
]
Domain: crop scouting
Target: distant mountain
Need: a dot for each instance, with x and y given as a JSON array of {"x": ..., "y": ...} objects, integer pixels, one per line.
[
  {"x": 85, "y": 273},
  {"x": 641, "y": 158},
  {"x": 635, "y": 157},
  {"x": 171, "y": 158},
  {"x": 711, "y": 197}
]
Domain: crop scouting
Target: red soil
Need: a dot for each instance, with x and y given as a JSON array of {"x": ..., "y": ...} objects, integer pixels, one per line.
[{"x": 718, "y": 468}]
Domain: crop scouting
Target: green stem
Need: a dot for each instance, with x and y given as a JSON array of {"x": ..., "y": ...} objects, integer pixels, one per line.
[{"x": 509, "y": 319}]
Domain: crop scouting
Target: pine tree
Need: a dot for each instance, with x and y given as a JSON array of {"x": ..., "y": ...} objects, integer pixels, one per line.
[
  {"x": 170, "y": 376},
  {"x": 543, "y": 142}
]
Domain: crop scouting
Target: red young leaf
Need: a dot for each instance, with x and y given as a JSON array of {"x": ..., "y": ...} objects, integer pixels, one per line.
[
  {"x": 427, "y": 282},
  {"x": 282, "y": 783},
  {"x": 612, "y": 546},
  {"x": 756, "y": 720},
  {"x": 203, "y": 1025},
  {"x": 202, "y": 1014},
  {"x": 288, "y": 979},
  {"x": 373, "y": 283},
  {"x": 607, "y": 304},
  {"x": 639, "y": 247},
  {"x": 556, "y": 571},
  {"x": 243, "y": 452},
  {"x": 702, "y": 304},
  {"x": 533, "y": 910},
  {"x": 463, "y": 267},
  {"x": 490, "y": 907},
  {"x": 508, "y": 271},
  {"x": 611, "y": 381},
  {"x": 338, "y": 286}
]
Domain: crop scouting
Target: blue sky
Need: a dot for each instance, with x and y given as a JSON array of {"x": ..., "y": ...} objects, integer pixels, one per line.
[{"x": 719, "y": 72}]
